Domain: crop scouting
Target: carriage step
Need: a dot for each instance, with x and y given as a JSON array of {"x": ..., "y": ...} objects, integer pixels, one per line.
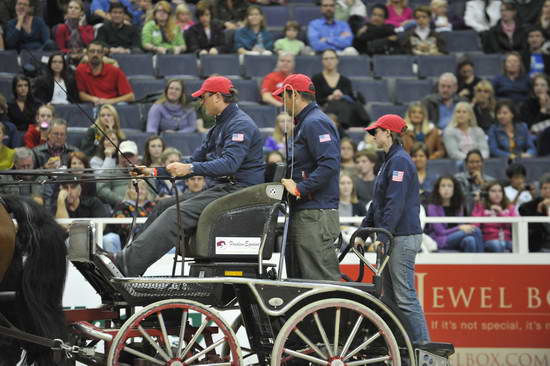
[{"x": 436, "y": 348}]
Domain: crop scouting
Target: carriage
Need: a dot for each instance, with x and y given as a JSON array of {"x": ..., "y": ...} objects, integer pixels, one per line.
[{"x": 225, "y": 274}]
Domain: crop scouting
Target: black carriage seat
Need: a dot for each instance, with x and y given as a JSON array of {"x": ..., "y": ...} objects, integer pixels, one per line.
[{"x": 436, "y": 348}]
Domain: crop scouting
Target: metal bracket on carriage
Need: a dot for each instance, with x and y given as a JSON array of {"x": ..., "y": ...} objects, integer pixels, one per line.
[{"x": 69, "y": 350}]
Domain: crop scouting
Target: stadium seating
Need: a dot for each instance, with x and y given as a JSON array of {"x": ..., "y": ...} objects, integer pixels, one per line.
[
  {"x": 378, "y": 110},
  {"x": 177, "y": 65},
  {"x": 355, "y": 66},
  {"x": 259, "y": 66},
  {"x": 248, "y": 90},
  {"x": 144, "y": 87},
  {"x": 393, "y": 66},
  {"x": 184, "y": 142},
  {"x": 410, "y": 90},
  {"x": 495, "y": 167},
  {"x": 76, "y": 115},
  {"x": 10, "y": 65},
  {"x": 373, "y": 90},
  {"x": 305, "y": 13},
  {"x": 263, "y": 115},
  {"x": 439, "y": 167},
  {"x": 139, "y": 137},
  {"x": 5, "y": 87},
  {"x": 276, "y": 16},
  {"x": 535, "y": 167},
  {"x": 462, "y": 41},
  {"x": 136, "y": 64},
  {"x": 227, "y": 65},
  {"x": 487, "y": 66},
  {"x": 75, "y": 135},
  {"x": 433, "y": 66},
  {"x": 309, "y": 65},
  {"x": 130, "y": 116},
  {"x": 34, "y": 57}
]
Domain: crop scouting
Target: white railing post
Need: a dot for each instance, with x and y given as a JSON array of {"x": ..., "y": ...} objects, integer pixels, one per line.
[{"x": 522, "y": 247}]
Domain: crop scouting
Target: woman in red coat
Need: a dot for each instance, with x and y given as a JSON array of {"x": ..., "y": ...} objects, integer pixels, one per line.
[{"x": 73, "y": 36}]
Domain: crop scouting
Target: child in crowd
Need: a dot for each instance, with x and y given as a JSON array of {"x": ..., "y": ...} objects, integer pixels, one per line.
[
  {"x": 37, "y": 133},
  {"x": 290, "y": 43},
  {"x": 517, "y": 191},
  {"x": 184, "y": 20}
]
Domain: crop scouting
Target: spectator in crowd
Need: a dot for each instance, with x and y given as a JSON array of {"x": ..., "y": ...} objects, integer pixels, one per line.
[
  {"x": 146, "y": 7},
  {"x": 107, "y": 119},
  {"x": 254, "y": 38},
  {"x": 481, "y": 15},
  {"x": 399, "y": 14},
  {"x": 463, "y": 135},
  {"x": 154, "y": 146},
  {"x": 23, "y": 160},
  {"x": 22, "y": 109},
  {"x": 327, "y": 33},
  {"x": 447, "y": 200},
  {"x": 164, "y": 187},
  {"x": 349, "y": 204},
  {"x": 184, "y": 19},
  {"x": 539, "y": 233},
  {"x": 442, "y": 20},
  {"x": 106, "y": 155},
  {"x": 133, "y": 11},
  {"x": 419, "y": 155},
  {"x": 112, "y": 192},
  {"x": 544, "y": 18},
  {"x": 274, "y": 157},
  {"x": 509, "y": 137},
  {"x": 55, "y": 152},
  {"x": 421, "y": 39},
  {"x": 377, "y": 37},
  {"x": 348, "y": 149},
  {"x": 99, "y": 82},
  {"x": 276, "y": 142},
  {"x": 517, "y": 191},
  {"x": 290, "y": 42},
  {"x": 71, "y": 203},
  {"x": 347, "y": 8},
  {"x": 473, "y": 178},
  {"x": 37, "y": 133},
  {"x": 11, "y": 135},
  {"x": 508, "y": 34},
  {"x": 365, "y": 162},
  {"x": 74, "y": 34},
  {"x": 171, "y": 112},
  {"x": 537, "y": 107},
  {"x": 419, "y": 129},
  {"x": 57, "y": 85},
  {"x": 77, "y": 162},
  {"x": 231, "y": 13},
  {"x": 493, "y": 202},
  {"x": 133, "y": 204},
  {"x": 274, "y": 80},
  {"x": 484, "y": 103},
  {"x": 528, "y": 10},
  {"x": 27, "y": 31},
  {"x": 334, "y": 92},
  {"x": 440, "y": 105},
  {"x": 7, "y": 11},
  {"x": 7, "y": 155},
  {"x": 206, "y": 36},
  {"x": 513, "y": 83},
  {"x": 118, "y": 36},
  {"x": 160, "y": 34},
  {"x": 535, "y": 59},
  {"x": 466, "y": 77}
]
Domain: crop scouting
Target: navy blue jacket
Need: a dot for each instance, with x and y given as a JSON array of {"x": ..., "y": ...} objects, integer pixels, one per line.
[
  {"x": 396, "y": 198},
  {"x": 232, "y": 148},
  {"x": 316, "y": 165}
]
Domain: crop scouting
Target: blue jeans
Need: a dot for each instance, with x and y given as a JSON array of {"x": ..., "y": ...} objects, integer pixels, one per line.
[
  {"x": 466, "y": 242},
  {"x": 399, "y": 285},
  {"x": 498, "y": 246}
]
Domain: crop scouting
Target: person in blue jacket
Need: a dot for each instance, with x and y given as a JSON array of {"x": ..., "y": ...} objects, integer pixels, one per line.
[
  {"x": 231, "y": 156},
  {"x": 314, "y": 166},
  {"x": 396, "y": 207}
]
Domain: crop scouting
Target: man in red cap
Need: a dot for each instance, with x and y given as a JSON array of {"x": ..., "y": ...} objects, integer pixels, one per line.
[
  {"x": 231, "y": 157},
  {"x": 396, "y": 207},
  {"x": 314, "y": 166}
]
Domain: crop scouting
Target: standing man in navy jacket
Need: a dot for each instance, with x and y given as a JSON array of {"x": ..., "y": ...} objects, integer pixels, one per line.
[
  {"x": 396, "y": 207},
  {"x": 231, "y": 156},
  {"x": 314, "y": 165}
]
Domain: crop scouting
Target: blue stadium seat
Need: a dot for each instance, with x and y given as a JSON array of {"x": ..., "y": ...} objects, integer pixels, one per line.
[
  {"x": 139, "y": 137},
  {"x": 308, "y": 65},
  {"x": 192, "y": 86},
  {"x": 75, "y": 136},
  {"x": 433, "y": 66},
  {"x": 34, "y": 57},
  {"x": 130, "y": 116},
  {"x": 487, "y": 66},
  {"x": 393, "y": 66},
  {"x": 5, "y": 87},
  {"x": 144, "y": 87},
  {"x": 373, "y": 90},
  {"x": 259, "y": 66},
  {"x": 305, "y": 13},
  {"x": 535, "y": 167},
  {"x": 439, "y": 167},
  {"x": 227, "y": 65},
  {"x": 357, "y": 135},
  {"x": 248, "y": 90},
  {"x": 8, "y": 60},
  {"x": 276, "y": 16},
  {"x": 136, "y": 64},
  {"x": 263, "y": 115},
  {"x": 172, "y": 65},
  {"x": 496, "y": 167},
  {"x": 184, "y": 142},
  {"x": 76, "y": 115},
  {"x": 378, "y": 110},
  {"x": 462, "y": 41},
  {"x": 410, "y": 90},
  {"x": 355, "y": 66}
]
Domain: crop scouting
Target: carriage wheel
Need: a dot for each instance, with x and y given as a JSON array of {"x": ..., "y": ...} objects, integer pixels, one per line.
[
  {"x": 335, "y": 332},
  {"x": 163, "y": 333}
]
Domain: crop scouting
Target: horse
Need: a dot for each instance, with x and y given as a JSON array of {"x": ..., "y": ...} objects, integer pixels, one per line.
[{"x": 36, "y": 273}]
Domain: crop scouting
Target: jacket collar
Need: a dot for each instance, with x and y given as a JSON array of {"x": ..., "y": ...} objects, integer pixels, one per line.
[
  {"x": 227, "y": 113},
  {"x": 393, "y": 150},
  {"x": 304, "y": 112}
]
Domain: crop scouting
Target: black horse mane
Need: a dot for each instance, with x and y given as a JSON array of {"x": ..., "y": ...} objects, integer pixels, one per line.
[{"x": 37, "y": 274}]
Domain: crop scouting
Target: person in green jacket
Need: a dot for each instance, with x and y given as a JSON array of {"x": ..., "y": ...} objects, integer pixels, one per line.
[{"x": 160, "y": 33}]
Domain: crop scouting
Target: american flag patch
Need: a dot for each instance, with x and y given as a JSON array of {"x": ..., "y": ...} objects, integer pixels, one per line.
[
  {"x": 324, "y": 138},
  {"x": 237, "y": 137},
  {"x": 397, "y": 176}
]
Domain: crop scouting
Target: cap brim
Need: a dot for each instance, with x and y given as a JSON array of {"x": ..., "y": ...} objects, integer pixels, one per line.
[
  {"x": 278, "y": 92},
  {"x": 198, "y": 93},
  {"x": 371, "y": 128}
]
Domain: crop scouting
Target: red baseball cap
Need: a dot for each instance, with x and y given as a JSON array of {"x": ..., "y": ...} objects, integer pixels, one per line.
[
  {"x": 391, "y": 122},
  {"x": 214, "y": 84},
  {"x": 297, "y": 82}
]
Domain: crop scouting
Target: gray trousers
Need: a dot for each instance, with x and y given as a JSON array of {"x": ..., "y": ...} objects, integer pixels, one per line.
[
  {"x": 311, "y": 254},
  {"x": 161, "y": 234}
]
